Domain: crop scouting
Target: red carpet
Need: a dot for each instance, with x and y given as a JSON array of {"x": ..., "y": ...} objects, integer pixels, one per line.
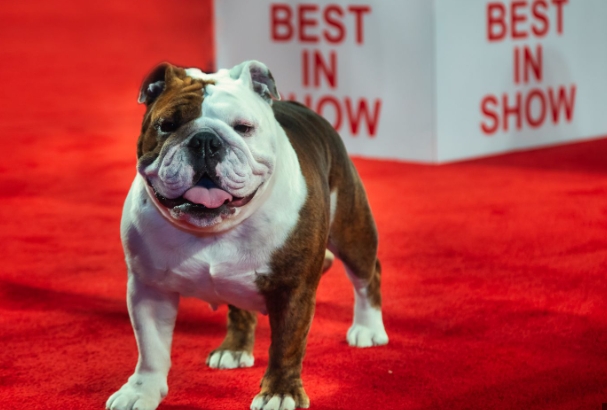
[{"x": 494, "y": 270}]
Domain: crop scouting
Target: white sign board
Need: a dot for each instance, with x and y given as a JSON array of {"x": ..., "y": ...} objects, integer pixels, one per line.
[{"x": 432, "y": 81}]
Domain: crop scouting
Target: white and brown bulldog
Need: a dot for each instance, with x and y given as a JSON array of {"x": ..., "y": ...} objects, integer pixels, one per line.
[{"x": 240, "y": 200}]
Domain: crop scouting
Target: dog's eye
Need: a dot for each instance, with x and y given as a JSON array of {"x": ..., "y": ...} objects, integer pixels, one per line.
[
  {"x": 242, "y": 128},
  {"x": 168, "y": 126}
]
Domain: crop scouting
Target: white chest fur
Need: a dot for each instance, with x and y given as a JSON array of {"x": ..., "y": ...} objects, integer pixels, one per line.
[{"x": 218, "y": 268}]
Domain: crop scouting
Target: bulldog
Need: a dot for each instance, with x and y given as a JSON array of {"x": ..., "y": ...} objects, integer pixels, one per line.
[{"x": 240, "y": 199}]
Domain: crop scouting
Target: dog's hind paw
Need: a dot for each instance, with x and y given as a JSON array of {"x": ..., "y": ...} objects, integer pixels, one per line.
[
  {"x": 363, "y": 336},
  {"x": 228, "y": 359}
]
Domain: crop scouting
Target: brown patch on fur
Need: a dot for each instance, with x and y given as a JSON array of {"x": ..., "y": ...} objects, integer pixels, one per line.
[
  {"x": 290, "y": 290},
  {"x": 179, "y": 103},
  {"x": 353, "y": 235},
  {"x": 241, "y": 331}
]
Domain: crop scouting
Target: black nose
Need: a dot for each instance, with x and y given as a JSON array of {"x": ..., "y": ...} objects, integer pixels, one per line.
[{"x": 207, "y": 143}]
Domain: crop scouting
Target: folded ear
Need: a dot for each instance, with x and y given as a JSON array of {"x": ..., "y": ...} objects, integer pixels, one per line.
[
  {"x": 154, "y": 84},
  {"x": 258, "y": 77}
]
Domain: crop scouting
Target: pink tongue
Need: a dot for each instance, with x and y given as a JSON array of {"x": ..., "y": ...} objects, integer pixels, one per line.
[{"x": 209, "y": 197}]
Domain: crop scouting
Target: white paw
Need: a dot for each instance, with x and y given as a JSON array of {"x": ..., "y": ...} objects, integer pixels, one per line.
[
  {"x": 276, "y": 402},
  {"x": 141, "y": 392},
  {"x": 227, "y": 359},
  {"x": 363, "y": 336}
]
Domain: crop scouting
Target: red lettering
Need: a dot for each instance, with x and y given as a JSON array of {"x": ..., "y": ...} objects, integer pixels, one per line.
[
  {"x": 321, "y": 105},
  {"x": 559, "y": 14},
  {"x": 516, "y": 18},
  {"x": 359, "y": 11},
  {"x": 527, "y": 17},
  {"x": 314, "y": 63},
  {"x": 340, "y": 30},
  {"x": 330, "y": 72},
  {"x": 487, "y": 104},
  {"x": 530, "y": 63},
  {"x": 355, "y": 118},
  {"x": 304, "y": 22},
  {"x": 280, "y": 17},
  {"x": 305, "y": 72},
  {"x": 538, "y": 105},
  {"x": 515, "y": 110},
  {"x": 356, "y": 112},
  {"x": 535, "y": 122},
  {"x": 494, "y": 20},
  {"x": 516, "y": 65},
  {"x": 562, "y": 100},
  {"x": 541, "y": 16}
]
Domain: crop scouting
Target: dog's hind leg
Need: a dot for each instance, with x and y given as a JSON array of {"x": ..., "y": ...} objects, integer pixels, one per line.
[
  {"x": 353, "y": 239},
  {"x": 236, "y": 350},
  {"x": 367, "y": 327}
]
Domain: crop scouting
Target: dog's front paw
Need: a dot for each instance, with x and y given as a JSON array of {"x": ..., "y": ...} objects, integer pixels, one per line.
[
  {"x": 141, "y": 392},
  {"x": 228, "y": 359},
  {"x": 366, "y": 336},
  {"x": 291, "y": 399}
]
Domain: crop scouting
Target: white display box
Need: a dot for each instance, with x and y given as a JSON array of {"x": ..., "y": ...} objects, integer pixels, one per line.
[{"x": 432, "y": 81}]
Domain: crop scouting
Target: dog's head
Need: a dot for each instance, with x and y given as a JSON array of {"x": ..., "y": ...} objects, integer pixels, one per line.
[{"x": 208, "y": 144}]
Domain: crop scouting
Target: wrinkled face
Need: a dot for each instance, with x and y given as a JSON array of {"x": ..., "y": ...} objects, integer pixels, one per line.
[{"x": 207, "y": 149}]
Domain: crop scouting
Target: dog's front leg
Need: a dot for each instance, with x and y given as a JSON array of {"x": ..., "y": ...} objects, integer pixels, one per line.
[
  {"x": 153, "y": 314},
  {"x": 290, "y": 313}
]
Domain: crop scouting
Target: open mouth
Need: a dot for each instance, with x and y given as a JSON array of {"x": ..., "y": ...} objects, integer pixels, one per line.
[{"x": 204, "y": 199}]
